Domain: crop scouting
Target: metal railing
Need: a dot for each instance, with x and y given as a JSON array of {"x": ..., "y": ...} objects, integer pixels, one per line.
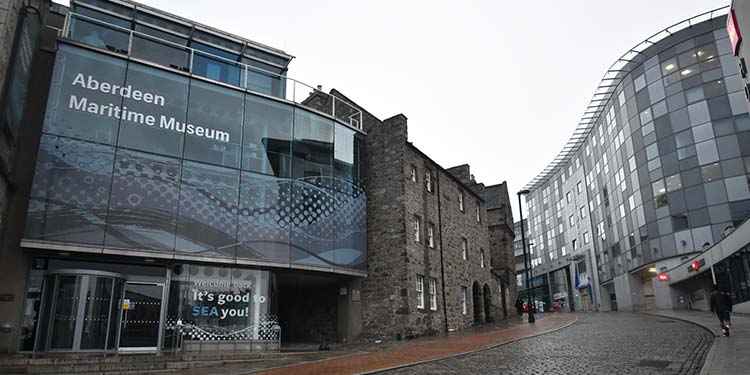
[
  {"x": 607, "y": 86},
  {"x": 171, "y": 55}
]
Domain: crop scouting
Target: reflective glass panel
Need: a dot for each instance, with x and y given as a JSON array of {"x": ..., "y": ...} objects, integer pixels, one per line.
[
  {"x": 144, "y": 201},
  {"x": 153, "y": 125},
  {"x": 70, "y": 191},
  {"x": 207, "y": 220},
  {"x": 85, "y": 95},
  {"x": 213, "y": 132},
  {"x": 267, "y": 137}
]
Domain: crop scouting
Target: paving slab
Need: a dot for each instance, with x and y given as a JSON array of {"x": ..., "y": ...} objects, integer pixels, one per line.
[
  {"x": 728, "y": 355},
  {"x": 426, "y": 352}
]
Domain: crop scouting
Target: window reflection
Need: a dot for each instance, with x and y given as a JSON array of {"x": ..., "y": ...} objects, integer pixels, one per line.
[
  {"x": 70, "y": 191},
  {"x": 218, "y": 111},
  {"x": 207, "y": 222},
  {"x": 143, "y": 204},
  {"x": 60, "y": 119},
  {"x": 155, "y": 138},
  {"x": 267, "y": 137},
  {"x": 222, "y": 70},
  {"x": 265, "y": 217}
]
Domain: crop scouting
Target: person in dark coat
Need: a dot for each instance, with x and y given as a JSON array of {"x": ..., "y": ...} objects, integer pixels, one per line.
[
  {"x": 721, "y": 305},
  {"x": 519, "y": 307}
]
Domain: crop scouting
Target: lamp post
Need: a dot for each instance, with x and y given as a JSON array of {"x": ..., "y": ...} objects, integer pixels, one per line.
[{"x": 525, "y": 257}]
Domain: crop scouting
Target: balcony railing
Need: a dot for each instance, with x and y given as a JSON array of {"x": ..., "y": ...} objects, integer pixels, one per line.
[{"x": 142, "y": 46}]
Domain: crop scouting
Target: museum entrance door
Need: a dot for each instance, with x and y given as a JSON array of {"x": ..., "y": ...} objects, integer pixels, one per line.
[
  {"x": 140, "y": 327},
  {"x": 83, "y": 310}
]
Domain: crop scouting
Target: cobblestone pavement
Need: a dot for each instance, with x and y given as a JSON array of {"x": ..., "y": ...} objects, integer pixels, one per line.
[{"x": 605, "y": 343}]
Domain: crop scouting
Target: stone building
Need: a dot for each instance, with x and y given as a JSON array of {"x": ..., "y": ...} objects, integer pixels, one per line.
[{"x": 439, "y": 244}]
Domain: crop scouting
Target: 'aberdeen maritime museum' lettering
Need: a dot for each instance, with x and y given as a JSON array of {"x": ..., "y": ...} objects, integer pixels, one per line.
[{"x": 83, "y": 104}]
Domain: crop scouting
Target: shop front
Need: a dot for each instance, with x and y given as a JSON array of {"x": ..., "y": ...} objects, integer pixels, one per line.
[{"x": 560, "y": 286}]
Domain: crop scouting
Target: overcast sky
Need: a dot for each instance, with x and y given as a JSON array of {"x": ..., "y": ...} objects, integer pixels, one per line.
[{"x": 500, "y": 85}]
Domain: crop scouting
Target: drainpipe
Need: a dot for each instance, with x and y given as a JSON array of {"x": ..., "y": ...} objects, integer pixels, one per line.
[{"x": 442, "y": 259}]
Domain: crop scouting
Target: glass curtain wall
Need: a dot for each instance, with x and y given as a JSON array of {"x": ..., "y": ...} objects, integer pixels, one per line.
[
  {"x": 139, "y": 158},
  {"x": 666, "y": 167}
]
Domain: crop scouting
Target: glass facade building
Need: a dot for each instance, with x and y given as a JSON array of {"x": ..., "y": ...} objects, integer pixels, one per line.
[
  {"x": 658, "y": 169},
  {"x": 173, "y": 143}
]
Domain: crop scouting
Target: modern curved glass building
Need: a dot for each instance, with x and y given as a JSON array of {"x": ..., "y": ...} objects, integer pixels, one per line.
[{"x": 656, "y": 170}]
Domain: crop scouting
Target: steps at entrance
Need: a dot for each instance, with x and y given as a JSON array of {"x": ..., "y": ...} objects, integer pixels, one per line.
[{"x": 136, "y": 364}]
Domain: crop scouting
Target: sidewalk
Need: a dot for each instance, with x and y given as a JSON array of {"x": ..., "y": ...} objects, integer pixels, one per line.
[
  {"x": 429, "y": 351},
  {"x": 728, "y": 355}
]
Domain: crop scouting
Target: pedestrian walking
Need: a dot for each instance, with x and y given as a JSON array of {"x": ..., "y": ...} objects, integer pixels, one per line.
[
  {"x": 519, "y": 307},
  {"x": 721, "y": 305}
]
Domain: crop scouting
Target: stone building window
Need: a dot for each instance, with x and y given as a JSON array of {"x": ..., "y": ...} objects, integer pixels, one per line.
[
  {"x": 464, "y": 248},
  {"x": 481, "y": 257},
  {"x": 586, "y": 238},
  {"x": 428, "y": 180},
  {"x": 413, "y": 173},
  {"x": 461, "y": 201},
  {"x": 431, "y": 235},
  {"x": 479, "y": 217},
  {"x": 433, "y": 294},
  {"x": 463, "y": 300},
  {"x": 416, "y": 228},
  {"x": 420, "y": 292}
]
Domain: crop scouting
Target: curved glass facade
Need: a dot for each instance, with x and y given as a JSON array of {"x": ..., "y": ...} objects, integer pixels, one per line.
[
  {"x": 665, "y": 169},
  {"x": 139, "y": 158}
]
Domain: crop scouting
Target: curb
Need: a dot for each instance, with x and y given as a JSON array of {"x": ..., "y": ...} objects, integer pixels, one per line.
[
  {"x": 711, "y": 331},
  {"x": 298, "y": 364},
  {"x": 491, "y": 346},
  {"x": 711, "y": 351}
]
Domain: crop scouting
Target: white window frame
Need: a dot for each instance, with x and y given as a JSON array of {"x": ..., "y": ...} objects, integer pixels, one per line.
[
  {"x": 481, "y": 257},
  {"x": 413, "y": 173},
  {"x": 420, "y": 291},
  {"x": 479, "y": 217},
  {"x": 461, "y": 201},
  {"x": 464, "y": 248},
  {"x": 431, "y": 235},
  {"x": 416, "y": 228},
  {"x": 428, "y": 180},
  {"x": 433, "y": 294},
  {"x": 463, "y": 300}
]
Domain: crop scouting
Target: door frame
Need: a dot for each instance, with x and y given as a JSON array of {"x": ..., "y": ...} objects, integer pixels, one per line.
[
  {"x": 85, "y": 277},
  {"x": 162, "y": 312}
]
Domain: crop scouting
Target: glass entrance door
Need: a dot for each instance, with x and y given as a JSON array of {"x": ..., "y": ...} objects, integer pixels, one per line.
[
  {"x": 141, "y": 317},
  {"x": 83, "y": 311}
]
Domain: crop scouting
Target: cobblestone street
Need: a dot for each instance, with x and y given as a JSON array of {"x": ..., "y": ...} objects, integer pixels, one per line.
[{"x": 611, "y": 343}]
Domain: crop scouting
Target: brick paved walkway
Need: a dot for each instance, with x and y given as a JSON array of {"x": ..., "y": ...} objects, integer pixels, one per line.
[
  {"x": 433, "y": 350},
  {"x": 728, "y": 355}
]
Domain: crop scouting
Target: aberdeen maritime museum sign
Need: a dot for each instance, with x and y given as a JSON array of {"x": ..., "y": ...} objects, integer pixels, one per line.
[{"x": 85, "y": 104}]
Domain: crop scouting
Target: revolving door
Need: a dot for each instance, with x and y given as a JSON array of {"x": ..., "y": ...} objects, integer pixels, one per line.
[{"x": 83, "y": 310}]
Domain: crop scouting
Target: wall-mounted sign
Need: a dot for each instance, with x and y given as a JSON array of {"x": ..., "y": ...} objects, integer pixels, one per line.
[
  {"x": 126, "y": 305},
  {"x": 6, "y": 297},
  {"x": 696, "y": 265},
  {"x": 663, "y": 277},
  {"x": 735, "y": 37}
]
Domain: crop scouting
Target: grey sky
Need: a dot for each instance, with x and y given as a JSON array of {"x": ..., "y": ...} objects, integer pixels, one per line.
[{"x": 499, "y": 85}]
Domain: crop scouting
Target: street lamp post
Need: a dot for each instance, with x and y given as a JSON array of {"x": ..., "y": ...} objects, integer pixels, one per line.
[{"x": 525, "y": 258}]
